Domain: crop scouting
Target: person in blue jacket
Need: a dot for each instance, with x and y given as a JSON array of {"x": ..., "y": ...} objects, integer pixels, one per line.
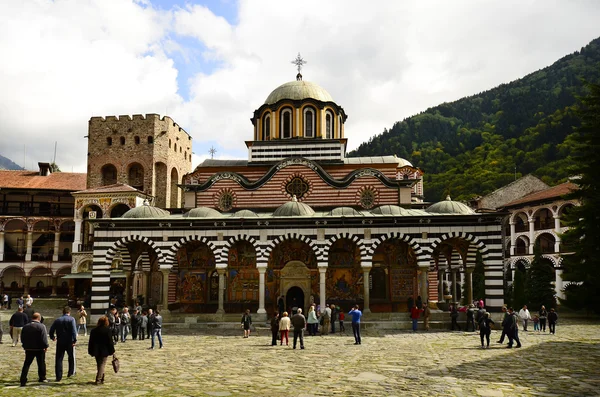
[
  {"x": 356, "y": 315},
  {"x": 65, "y": 330}
]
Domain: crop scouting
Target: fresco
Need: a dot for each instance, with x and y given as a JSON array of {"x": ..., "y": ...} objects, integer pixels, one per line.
[
  {"x": 400, "y": 262},
  {"x": 191, "y": 286},
  {"x": 292, "y": 250},
  {"x": 195, "y": 261},
  {"x": 344, "y": 284},
  {"x": 242, "y": 274}
]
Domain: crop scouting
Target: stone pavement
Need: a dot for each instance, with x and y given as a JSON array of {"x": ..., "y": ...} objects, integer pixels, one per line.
[{"x": 401, "y": 364}]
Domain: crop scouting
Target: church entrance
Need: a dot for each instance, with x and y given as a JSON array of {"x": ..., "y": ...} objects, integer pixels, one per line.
[{"x": 294, "y": 299}]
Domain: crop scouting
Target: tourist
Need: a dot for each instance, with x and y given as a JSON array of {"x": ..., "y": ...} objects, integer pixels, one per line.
[
  {"x": 284, "y": 328},
  {"x": 65, "y": 330},
  {"x": 246, "y": 323},
  {"x": 504, "y": 316},
  {"x": 5, "y": 301},
  {"x": 157, "y": 321},
  {"x": 82, "y": 321},
  {"x": 28, "y": 310},
  {"x": 299, "y": 323},
  {"x": 525, "y": 316},
  {"x": 313, "y": 321},
  {"x": 454, "y": 317},
  {"x": 274, "y": 328},
  {"x": 326, "y": 314},
  {"x": 356, "y": 315},
  {"x": 150, "y": 318},
  {"x": 143, "y": 326},
  {"x": 17, "y": 322},
  {"x": 125, "y": 322},
  {"x": 470, "y": 318},
  {"x": 415, "y": 313},
  {"x": 479, "y": 315},
  {"x": 485, "y": 329},
  {"x": 101, "y": 346},
  {"x": 342, "y": 318},
  {"x": 480, "y": 304},
  {"x": 419, "y": 302},
  {"x": 552, "y": 319},
  {"x": 536, "y": 322},
  {"x": 511, "y": 328},
  {"x": 333, "y": 318},
  {"x": 135, "y": 324},
  {"x": 426, "y": 316},
  {"x": 543, "y": 316},
  {"x": 35, "y": 342},
  {"x": 28, "y": 300},
  {"x": 116, "y": 331},
  {"x": 20, "y": 301},
  {"x": 281, "y": 304}
]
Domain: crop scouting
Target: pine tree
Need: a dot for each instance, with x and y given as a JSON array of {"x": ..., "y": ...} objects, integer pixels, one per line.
[
  {"x": 479, "y": 278},
  {"x": 519, "y": 296},
  {"x": 582, "y": 264},
  {"x": 540, "y": 290}
]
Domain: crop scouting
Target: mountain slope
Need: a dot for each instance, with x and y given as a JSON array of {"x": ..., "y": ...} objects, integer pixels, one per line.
[
  {"x": 8, "y": 164},
  {"x": 475, "y": 145}
]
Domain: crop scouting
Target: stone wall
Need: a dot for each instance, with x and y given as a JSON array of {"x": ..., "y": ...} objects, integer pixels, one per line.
[{"x": 513, "y": 191}]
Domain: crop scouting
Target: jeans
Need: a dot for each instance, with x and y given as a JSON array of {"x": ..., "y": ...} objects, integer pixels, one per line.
[
  {"x": 61, "y": 349},
  {"x": 470, "y": 322},
  {"x": 79, "y": 326},
  {"x": 552, "y": 327},
  {"x": 356, "y": 332},
  {"x": 415, "y": 322},
  {"x": 274, "y": 338},
  {"x": 486, "y": 334},
  {"x": 157, "y": 332},
  {"x": 124, "y": 332},
  {"x": 299, "y": 334},
  {"x": 543, "y": 324},
  {"x": 40, "y": 357}
]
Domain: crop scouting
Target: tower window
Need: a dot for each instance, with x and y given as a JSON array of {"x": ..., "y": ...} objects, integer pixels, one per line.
[
  {"x": 286, "y": 124},
  {"x": 266, "y": 128},
  {"x": 109, "y": 141},
  {"x": 309, "y": 123},
  {"x": 122, "y": 140},
  {"x": 137, "y": 140},
  {"x": 329, "y": 125},
  {"x": 150, "y": 140}
]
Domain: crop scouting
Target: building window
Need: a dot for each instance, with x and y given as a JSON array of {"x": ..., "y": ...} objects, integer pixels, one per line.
[
  {"x": 297, "y": 187},
  {"x": 309, "y": 123},
  {"x": 266, "y": 128},
  {"x": 122, "y": 140},
  {"x": 109, "y": 141},
  {"x": 286, "y": 123},
  {"x": 150, "y": 140},
  {"x": 136, "y": 176},
  {"x": 368, "y": 198},
  {"x": 137, "y": 140},
  {"x": 109, "y": 175},
  {"x": 329, "y": 125}
]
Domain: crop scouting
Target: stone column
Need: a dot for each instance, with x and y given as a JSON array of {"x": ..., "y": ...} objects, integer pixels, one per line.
[
  {"x": 1, "y": 246},
  {"x": 322, "y": 290},
  {"x": 26, "y": 285},
  {"x": 454, "y": 285},
  {"x": 56, "y": 246},
  {"x": 513, "y": 238},
  {"x": 559, "y": 284},
  {"x": 54, "y": 281},
  {"x": 366, "y": 270},
  {"x": 557, "y": 230},
  {"x": 165, "y": 290},
  {"x": 261, "y": 290},
  {"x": 424, "y": 290},
  {"x": 440, "y": 286},
  {"x": 221, "y": 271},
  {"x": 29, "y": 242},
  {"x": 77, "y": 236},
  {"x": 531, "y": 235},
  {"x": 469, "y": 284}
]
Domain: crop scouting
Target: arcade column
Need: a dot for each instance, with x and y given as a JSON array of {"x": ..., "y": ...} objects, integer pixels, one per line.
[
  {"x": 424, "y": 289},
  {"x": 29, "y": 247},
  {"x": 469, "y": 284},
  {"x": 322, "y": 290},
  {"x": 221, "y": 272},
  {"x": 366, "y": 270},
  {"x": 1, "y": 246},
  {"x": 165, "y": 290},
  {"x": 56, "y": 246},
  {"x": 261, "y": 290},
  {"x": 54, "y": 281}
]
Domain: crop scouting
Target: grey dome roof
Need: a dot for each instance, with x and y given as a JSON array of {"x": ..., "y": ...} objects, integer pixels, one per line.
[
  {"x": 345, "y": 211},
  {"x": 450, "y": 207},
  {"x": 298, "y": 90},
  {"x": 146, "y": 211},
  {"x": 294, "y": 208},
  {"x": 245, "y": 214},
  {"x": 203, "y": 212},
  {"x": 393, "y": 210}
]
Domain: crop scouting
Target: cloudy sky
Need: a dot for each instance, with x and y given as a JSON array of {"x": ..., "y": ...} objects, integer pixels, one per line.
[{"x": 210, "y": 64}]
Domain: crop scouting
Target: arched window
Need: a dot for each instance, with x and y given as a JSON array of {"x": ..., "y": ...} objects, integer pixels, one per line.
[
  {"x": 286, "y": 123},
  {"x": 136, "y": 176},
  {"x": 122, "y": 140},
  {"x": 329, "y": 125},
  {"x": 309, "y": 123},
  {"x": 109, "y": 175},
  {"x": 266, "y": 127},
  {"x": 150, "y": 140},
  {"x": 109, "y": 141},
  {"x": 137, "y": 140}
]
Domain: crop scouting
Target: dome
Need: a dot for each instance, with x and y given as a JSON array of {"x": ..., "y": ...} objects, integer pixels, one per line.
[
  {"x": 203, "y": 212},
  {"x": 294, "y": 208},
  {"x": 345, "y": 211},
  {"x": 402, "y": 162},
  {"x": 298, "y": 90},
  {"x": 450, "y": 207},
  {"x": 146, "y": 211},
  {"x": 393, "y": 210},
  {"x": 245, "y": 214}
]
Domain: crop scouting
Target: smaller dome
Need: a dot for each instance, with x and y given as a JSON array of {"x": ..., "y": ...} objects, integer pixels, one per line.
[
  {"x": 146, "y": 211},
  {"x": 245, "y": 214},
  {"x": 297, "y": 91},
  {"x": 402, "y": 162},
  {"x": 203, "y": 212},
  {"x": 294, "y": 208},
  {"x": 450, "y": 207},
  {"x": 392, "y": 210},
  {"x": 345, "y": 211}
]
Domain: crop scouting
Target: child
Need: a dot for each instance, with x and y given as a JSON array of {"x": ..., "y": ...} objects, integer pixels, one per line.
[
  {"x": 536, "y": 322},
  {"x": 342, "y": 317},
  {"x": 246, "y": 323}
]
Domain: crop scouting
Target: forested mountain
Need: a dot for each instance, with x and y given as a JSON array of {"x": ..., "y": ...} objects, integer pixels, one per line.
[
  {"x": 472, "y": 146},
  {"x": 8, "y": 164}
]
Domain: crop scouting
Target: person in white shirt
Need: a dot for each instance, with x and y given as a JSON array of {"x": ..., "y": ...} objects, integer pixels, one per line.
[{"x": 525, "y": 316}]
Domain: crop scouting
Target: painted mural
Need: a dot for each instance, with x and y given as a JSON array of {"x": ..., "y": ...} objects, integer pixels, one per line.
[
  {"x": 195, "y": 263},
  {"x": 399, "y": 262},
  {"x": 242, "y": 274},
  {"x": 344, "y": 279}
]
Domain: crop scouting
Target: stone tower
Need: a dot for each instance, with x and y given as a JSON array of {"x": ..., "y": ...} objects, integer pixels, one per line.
[{"x": 149, "y": 153}]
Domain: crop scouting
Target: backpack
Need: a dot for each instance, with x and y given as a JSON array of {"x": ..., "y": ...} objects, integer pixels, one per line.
[
  {"x": 483, "y": 324},
  {"x": 325, "y": 314}
]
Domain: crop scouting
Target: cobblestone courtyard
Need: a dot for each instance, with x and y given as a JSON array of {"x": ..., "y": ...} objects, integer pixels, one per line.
[{"x": 402, "y": 364}]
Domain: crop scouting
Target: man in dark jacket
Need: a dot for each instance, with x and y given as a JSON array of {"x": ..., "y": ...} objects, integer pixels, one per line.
[
  {"x": 17, "y": 322},
  {"x": 65, "y": 330},
  {"x": 157, "y": 321},
  {"x": 275, "y": 328},
  {"x": 299, "y": 324},
  {"x": 511, "y": 329},
  {"x": 35, "y": 342},
  {"x": 135, "y": 322},
  {"x": 28, "y": 310}
]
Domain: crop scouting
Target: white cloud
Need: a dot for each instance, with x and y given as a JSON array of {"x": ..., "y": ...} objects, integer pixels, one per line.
[{"x": 65, "y": 61}]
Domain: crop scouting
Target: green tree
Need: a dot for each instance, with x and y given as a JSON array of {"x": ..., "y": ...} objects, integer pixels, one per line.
[
  {"x": 582, "y": 264},
  {"x": 519, "y": 297},
  {"x": 540, "y": 290},
  {"x": 54, "y": 167},
  {"x": 478, "y": 278}
]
